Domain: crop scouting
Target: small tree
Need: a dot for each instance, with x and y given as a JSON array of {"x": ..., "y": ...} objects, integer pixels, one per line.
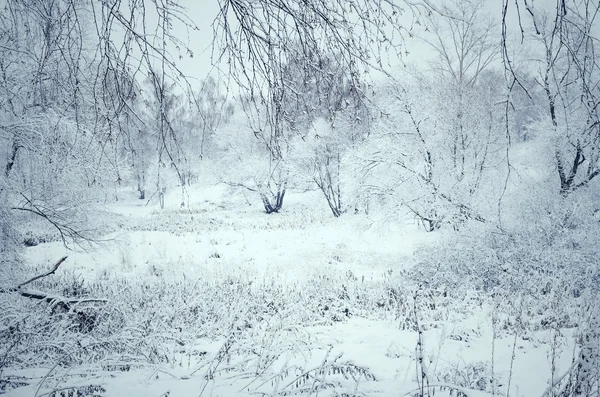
[
  {"x": 327, "y": 114},
  {"x": 67, "y": 83},
  {"x": 259, "y": 40},
  {"x": 568, "y": 78},
  {"x": 440, "y": 131},
  {"x": 253, "y": 159}
]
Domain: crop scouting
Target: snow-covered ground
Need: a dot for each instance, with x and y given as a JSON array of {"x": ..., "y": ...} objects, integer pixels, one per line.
[
  {"x": 302, "y": 251},
  {"x": 380, "y": 346}
]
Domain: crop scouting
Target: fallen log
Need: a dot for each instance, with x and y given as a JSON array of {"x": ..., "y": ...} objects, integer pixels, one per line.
[{"x": 64, "y": 303}]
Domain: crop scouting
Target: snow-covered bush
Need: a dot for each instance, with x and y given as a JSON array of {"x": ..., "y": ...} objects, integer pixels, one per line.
[
  {"x": 540, "y": 272},
  {"x": 161, "y": 319},
  {"x": 254, "y": 159},
  {"x": 430, "y": 154}
]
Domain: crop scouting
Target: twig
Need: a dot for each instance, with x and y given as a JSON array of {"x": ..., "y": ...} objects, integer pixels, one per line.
[
  {"x": 557, "y": 381},
  {"x": 54, "y": 218},
  {"x": 421, "y": 366},
  {"x": 52, "y": 271},
  {"x": 512, "y": 361}
]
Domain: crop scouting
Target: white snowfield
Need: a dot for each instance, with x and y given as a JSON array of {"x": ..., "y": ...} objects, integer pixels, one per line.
[{"x": 363, "y": 341}]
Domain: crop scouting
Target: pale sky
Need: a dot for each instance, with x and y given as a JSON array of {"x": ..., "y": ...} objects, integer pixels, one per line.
[{"x": 202, "y": 12}]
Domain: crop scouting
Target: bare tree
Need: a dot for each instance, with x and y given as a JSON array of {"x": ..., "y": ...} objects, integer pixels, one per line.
[
  {"x": 569, "y": 76},
  {"x": 413, "y": 142},
  {"x": 328, "y": 114},
  {"x": 464, "y": 47},
  {"x": 68, "y": 72},
  {"x": 258, "y": 39},
  {"x": 440, "y": 131},
  {"x": 271, "y": 135}
]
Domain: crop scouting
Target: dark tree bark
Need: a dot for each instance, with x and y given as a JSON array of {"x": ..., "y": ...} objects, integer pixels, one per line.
[{"x": 274, "y": 203}]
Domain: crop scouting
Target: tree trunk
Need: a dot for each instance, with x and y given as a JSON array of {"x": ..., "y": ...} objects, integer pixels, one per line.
[
  {"x": 141, "y": 186},
  {"x": 330, "y": 187},
  {"x": 333, "y": 199},
  {"x": 275, "y": 203},
  {"x": 567, "y": 174},
  {"x": 161, "y": 198},
  {"x": 13, "y": 157}
]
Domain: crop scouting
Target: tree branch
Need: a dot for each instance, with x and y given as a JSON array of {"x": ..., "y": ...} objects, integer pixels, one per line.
[
  {"x": 63, "y": 302},
  {"x": 51, "y": 271}
]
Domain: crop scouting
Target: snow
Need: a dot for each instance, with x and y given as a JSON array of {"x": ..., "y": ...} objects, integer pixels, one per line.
[
  {"x": 380, "y": 346},
  {"x": 221, "y": 237}
]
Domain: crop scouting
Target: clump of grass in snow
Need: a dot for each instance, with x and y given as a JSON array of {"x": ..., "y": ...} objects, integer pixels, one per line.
[{"x": 157, "y": 319}]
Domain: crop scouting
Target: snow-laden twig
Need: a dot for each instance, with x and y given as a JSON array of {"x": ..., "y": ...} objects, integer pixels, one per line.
[{"x": 51, "y": 271}]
